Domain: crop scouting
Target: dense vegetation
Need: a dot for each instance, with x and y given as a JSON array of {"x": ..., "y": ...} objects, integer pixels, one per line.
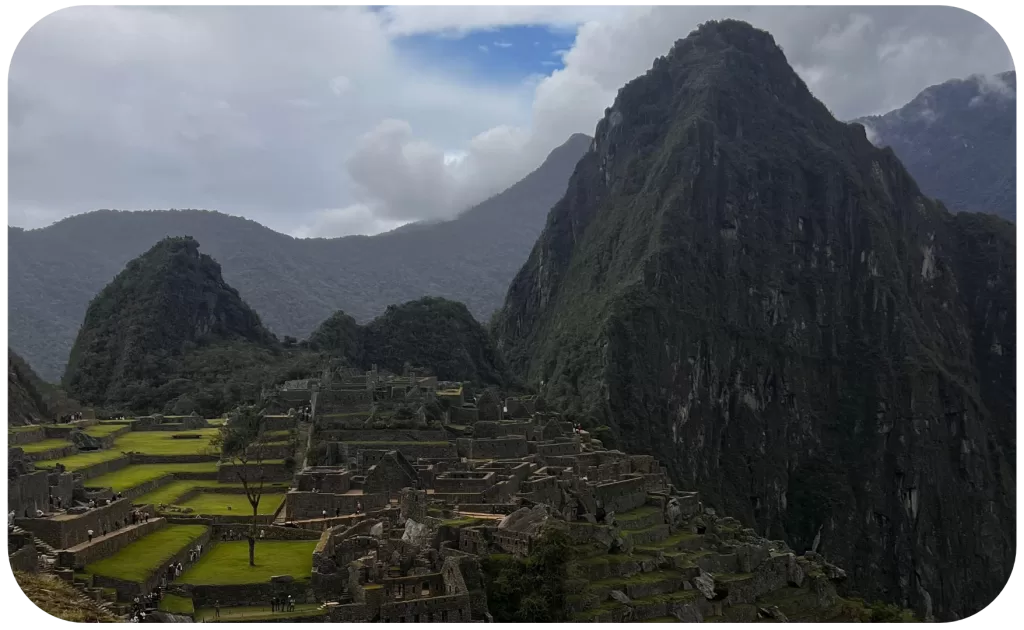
[
  {"x": 748, "y": 289},
  {"x": 293, "y": 283},
  {"x": 531, "y": 589},
  {"x": 168, "y": 334},
  {"x": 958, "y": 140},
  {"x": 25, "y": 402},
  {"x": 433, "y": 333}
]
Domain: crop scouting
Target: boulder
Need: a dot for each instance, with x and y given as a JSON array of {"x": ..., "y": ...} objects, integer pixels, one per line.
[
  {"x": 620, "y": 597},
  {"x": 281, "y": 579},
  {"x": 705, "y": 583}
]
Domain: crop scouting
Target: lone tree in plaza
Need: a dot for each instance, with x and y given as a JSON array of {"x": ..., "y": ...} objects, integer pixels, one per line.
[{"x": 242, "y": 441}]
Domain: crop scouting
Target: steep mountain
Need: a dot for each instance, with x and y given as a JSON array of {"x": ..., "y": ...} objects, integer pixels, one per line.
[
  {"x": 959, "y": 142},
  {"x": 169, "y": 303},
  {"x": 25, "y": 402},
  {"x": 748, "y": 289},
  {"x": 434, "y": 333},
  {"x": 293, "y": 283}
]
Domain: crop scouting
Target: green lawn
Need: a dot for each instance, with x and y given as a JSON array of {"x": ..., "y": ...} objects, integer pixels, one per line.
[
  {"x": 138, "y": 474},
  {"x": 164, "y": 442},
  {"x": 171, "y": 492},
  {"x": 176, "y": 604},
  {"x": 140, "y": 559},
  {"x": 257, "y": 613},
  {"x": 228, "y": 562},
  {"x": 27, "y": 427},
  {"x": 103, "y": 430},
  {"x": 45, "y": 445},
  {"x": 372, "y": 443},
  {"x": 81, "y": 460},
  {"x": 216, "y": 504}
]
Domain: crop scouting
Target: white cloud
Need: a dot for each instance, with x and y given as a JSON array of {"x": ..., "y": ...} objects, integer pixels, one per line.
[
  {"x": 482, "y": 48},
  {"x": 503, "y": 44},
  {"x": 278, "y": 112}
]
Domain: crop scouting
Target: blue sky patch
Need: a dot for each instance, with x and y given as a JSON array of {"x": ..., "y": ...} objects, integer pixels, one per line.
[{"x": 501, "y": 55}]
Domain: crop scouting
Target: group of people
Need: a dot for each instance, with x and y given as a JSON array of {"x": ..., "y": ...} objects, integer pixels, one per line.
[
  {"x": 282, "y": 604},
  {"x": 141, "y": 604},
  {"x": 68, "y": 418},
  {"x": 135, "y": 517},
  {"x": 193, "y": 554}
]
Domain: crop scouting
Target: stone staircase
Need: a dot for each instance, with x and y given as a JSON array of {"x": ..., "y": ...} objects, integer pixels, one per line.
[{"x": 47, "y": 555}]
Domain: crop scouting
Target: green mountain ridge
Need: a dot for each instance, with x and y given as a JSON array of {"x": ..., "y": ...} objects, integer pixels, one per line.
[
  {"x": 295, "y": 284},
  {"x": 751, "y": 291},
  {"x": 25, "y": 401},
  {"x": 958, "y": 141}
]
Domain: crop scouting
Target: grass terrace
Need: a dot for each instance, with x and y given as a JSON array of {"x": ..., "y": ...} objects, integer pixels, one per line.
[
  {"x": 228, "y": 562},
  {"x": 103, "y": 430},
  {"x": 131, "y": 476},
  {"x": 176, "y": 604},
  {"x": 81, "y": 460},
  {"x": 140, "y": 559},
  {"x": 165, "y": 442},
  {"x": 45, "y": 445},
  {"x": 171, "y": 492},
  {"x": 217, "y": 504},
  {"x": 27, "y": 427}
]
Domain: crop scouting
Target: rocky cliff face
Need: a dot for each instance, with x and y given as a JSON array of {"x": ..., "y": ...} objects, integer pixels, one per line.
[
  {"x": 751, "y": 291},
  {"x": 166, "y": 302}
]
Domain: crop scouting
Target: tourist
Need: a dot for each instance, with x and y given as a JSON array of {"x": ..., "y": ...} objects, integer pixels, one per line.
[
  {"x": 177, "y": 570},
  {"x": 90, "y": 535},
  {"x": 216, "y": 609},
  {"x": 337, "y": 511},
  {"x": 40, "y": 513},
  {"x": 359, "y": 507},
  {"x": 291, "y": 603},
  {"x": 273, "y": 604},
  {"x": 261, "y": 534},
  {"x": 324, "y": 513},
  {"x": 10, "y": 519}
]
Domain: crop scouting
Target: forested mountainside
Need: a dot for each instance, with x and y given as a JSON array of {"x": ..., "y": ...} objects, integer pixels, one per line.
[
  {"x": 958, "y": 140},
  {"x": 169, "y": 335},
  {"x": 295, "y": 284},
  {"x": 168, "y": 303},
  {"x": 431, "y": 332},
  {"x": 25, "y": 402},
  {"x": 748, "y": 289}
]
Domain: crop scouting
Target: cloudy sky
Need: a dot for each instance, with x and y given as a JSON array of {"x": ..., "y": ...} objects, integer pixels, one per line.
[{"x": 325, "y": 121}]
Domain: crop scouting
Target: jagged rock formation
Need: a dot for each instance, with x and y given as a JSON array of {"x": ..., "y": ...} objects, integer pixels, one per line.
[
  {"x": 294, "y": 284},
  {"x": 140, "y": 330},
  {"x": 25, "y": 403},
  {"x": 958, "y": 140},
  {"x": 751, "y": 291},
  {"x": 431, "y": 332}
]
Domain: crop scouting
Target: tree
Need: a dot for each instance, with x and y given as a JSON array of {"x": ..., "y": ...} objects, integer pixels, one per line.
[{"x": 242, "y": 441}]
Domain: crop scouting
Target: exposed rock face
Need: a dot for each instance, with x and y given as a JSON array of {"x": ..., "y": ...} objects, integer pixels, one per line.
[
  {"x": 752, "y": 292},
  {"x": 958, "y": 139}
]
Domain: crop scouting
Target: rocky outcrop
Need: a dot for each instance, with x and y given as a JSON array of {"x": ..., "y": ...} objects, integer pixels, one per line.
[{"x": 751, "y": 291}]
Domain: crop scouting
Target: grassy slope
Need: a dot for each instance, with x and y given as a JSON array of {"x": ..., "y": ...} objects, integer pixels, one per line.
[
  {"x": 138, "y": 560},
  {"x": 228, "y": 562}
]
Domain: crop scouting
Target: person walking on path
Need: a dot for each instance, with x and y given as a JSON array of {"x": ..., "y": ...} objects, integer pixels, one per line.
[{"x": 216, "y": 609}]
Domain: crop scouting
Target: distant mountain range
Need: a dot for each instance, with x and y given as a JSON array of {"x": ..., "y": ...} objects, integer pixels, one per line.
[
  {"x": 958, "y": 140},
  {"x": 294, "y": 284}
]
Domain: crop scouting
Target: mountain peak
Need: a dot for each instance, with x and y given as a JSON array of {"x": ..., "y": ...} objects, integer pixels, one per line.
[
  {"x": 748, "y": 289},
  {"x": 167, "y": 300}
]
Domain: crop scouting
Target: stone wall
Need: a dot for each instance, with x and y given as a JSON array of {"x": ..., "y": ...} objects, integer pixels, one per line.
[
  {"x": 494, "y": 448},
  {"x": 140, "y": 458},
  {"x": 58, "y": 452},
  {"x": 62, "y": 486},
  {"x": 25, "y": 559},
  {"x": 384, "y": 435},
  {"x": 239, "y": 531},
  {"x": 66, "y": 531},
  {"x": 102, "y": 468},
  {"x": 463, "y": 415},
  {"x": 272, "y": 472},
  {"x": 621, "y": 496},
  {"x": 463, "y": 482},
  {"x": 542, "y": 489},
  {"x": 251, "y": 594},
  {"x": 444, "y": 609},
  {"x": 85, "y": 553},
  {"x": 341, "y": 400},
  {"x": 309, "y": 505},
  {"x": 492, "y": 429},
  {"x": 331, "y": 481},
  {"x": 570, "y": 447},
  {"x": 147, "y": 487},
  {"x": 26, "y": 436},
  {"x": 30, "y": 492},
  {"x": 390, "y": 475},
  {"x": 411, "y": 450}
]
